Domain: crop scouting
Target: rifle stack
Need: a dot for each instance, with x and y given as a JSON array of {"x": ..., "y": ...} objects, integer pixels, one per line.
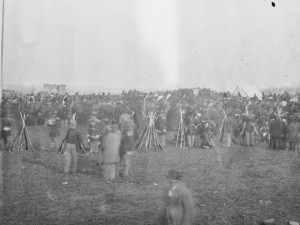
[{"x": 149, "y": 137}]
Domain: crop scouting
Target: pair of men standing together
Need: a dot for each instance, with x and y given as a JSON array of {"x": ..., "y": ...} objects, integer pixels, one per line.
[{"x": 116, "y": 147}]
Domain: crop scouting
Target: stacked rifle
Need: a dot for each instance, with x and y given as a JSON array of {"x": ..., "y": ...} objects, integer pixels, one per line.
[
  {"x": 23, "y": 132},
  {"x": 180, "y": 132},
  {"x": 149, "y": 137}
]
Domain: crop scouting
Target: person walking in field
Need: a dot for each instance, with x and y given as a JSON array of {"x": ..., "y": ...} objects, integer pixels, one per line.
[
  {"x": 73, "y": 142},
  {"x": 178, "y": 202},
  {"x": 110, "y": 148}
]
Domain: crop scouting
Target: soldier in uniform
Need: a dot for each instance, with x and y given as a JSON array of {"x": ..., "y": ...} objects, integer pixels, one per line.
[
  {"x": 73, "y": 142},
  {"x": 191, "y": 129},
  {"x": 63, "y": 114}
]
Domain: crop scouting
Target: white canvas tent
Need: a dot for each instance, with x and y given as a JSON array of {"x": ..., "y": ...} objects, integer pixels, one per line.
[{"x": 247, "y": 91}]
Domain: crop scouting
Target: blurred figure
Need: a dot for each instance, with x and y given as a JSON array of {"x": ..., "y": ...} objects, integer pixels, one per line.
[
  {"x": 178, "y": 202},
  {"x": 103, "y": 131},
  {"x": 161, "y": 127},
  {"x": 190, "y": 129},
  {"x": 206, "y": 134},
  {"x": 249, "y": 128},
  {"x": 6, "y": 124},
  {"x": 94, "y": 133},
  {"x": 110, "y": 147},
  {"x": 52, "y": 123},
  {"x": 293, "y": 133},
  {"x": 126, "y": 148},
  {"x": 284, "y": 134},
  {"x": 63, "y": 115}
]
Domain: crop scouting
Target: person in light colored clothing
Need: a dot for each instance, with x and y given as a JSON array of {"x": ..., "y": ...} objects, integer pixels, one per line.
[
  {"x": 126, "y": 148},
  {"x": 110, "y": 147}
]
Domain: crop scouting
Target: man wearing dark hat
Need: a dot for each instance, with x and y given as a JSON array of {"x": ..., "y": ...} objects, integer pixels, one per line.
[{"x": 178, "y": 202}]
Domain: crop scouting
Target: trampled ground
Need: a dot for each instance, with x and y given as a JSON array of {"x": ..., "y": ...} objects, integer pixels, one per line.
[{"x": 251, "y": 185}]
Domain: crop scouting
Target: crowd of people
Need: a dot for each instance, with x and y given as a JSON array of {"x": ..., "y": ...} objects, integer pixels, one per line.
[
  {"x": 273, "y": 119},
  {"x": 115, "y": 123}
]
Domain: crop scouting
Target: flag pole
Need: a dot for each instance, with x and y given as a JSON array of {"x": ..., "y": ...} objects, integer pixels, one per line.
[
  {"x": 2, "y": 44},
  {"x": 1, "y": 155}
]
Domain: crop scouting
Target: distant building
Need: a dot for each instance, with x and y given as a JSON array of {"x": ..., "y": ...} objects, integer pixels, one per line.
[{"x": 55, "y": 89}]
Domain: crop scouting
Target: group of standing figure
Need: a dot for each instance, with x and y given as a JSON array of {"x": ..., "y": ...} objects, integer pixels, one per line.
[{"x": 111, "y": 144}]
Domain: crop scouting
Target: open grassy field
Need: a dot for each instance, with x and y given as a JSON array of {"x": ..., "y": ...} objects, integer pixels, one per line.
[{"x": 251, "y": 185}]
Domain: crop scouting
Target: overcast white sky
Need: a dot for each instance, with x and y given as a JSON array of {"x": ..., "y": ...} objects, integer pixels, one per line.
[{"x": 159, "y": 44}]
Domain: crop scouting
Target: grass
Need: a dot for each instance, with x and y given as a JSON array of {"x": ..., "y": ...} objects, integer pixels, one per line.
[{"x": 251, "y": 185}]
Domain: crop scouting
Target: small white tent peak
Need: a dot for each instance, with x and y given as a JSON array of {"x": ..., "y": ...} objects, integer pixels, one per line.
[{"x": 247, "y": 91}]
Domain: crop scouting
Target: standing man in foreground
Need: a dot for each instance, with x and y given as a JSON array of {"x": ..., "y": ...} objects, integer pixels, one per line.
[{"x": 178, "y": 202}]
